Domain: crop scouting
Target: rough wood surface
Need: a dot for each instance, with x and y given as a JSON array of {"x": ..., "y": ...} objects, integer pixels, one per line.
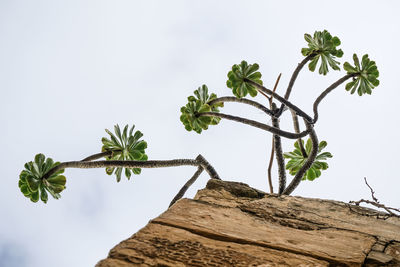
[{"x": 232, "y": 224}]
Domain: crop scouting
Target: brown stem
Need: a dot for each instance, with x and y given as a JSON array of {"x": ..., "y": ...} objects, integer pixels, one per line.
[
  {"x": 297, "y": 130},
  {"x": 256, "y": 124},
  {"x": 100, "y": 155},
  {"x": 271, "y": 160},
  {"x": 199, "y": 161},
  {"x": 207, "y": 166},
  {"x": 186, "y": 186},
  {"x": 241, "y": 100},
  {"x": 372, "y": 190},
  {"x": 280, "y": 99},
  {"x": 327, "y": 91},
  {"x": 279, "y": 157},
  {"x": 307, "y": 164},
  {"x": 272, "y": 106},
  {"x": 294, "y": 77}
]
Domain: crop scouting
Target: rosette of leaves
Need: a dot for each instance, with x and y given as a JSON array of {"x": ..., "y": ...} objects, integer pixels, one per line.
[
  {"x": 197, "y": 104},
  {"x": 322, "y": 45},
  {"x": 296, "y": 160},
  {"x": 236, "y": 77},
  {"x": 124, "y": 146},
  {"x": 33, "y": 186},
  {"x": 366, "y": 75}
]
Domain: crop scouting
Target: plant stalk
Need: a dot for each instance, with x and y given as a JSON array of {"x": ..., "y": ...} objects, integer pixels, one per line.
[
  {"x": 243, "y": 101},
  {"x": 199, "y": 161},
  {"x": 256, "y": 124},
  {"x": 297, "y": 130},
  {"x": 186, "y": 186},
  {"x": 279, "y": 157},
  {"x": 294, "y": 77},
  {"x": 326, "y": 92},
  {"x": 307, "y": 164},
  {"x": 280, "y": 99}
]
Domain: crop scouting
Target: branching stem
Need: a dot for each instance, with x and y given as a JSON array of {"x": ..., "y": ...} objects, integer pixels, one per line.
[
  {"x": 243, "y": 101},
  {"x": 279, "y": 157},
  {"x": 256, "y": 124},
  {"x": 326, "y": 92},
  {"x": 100, "y": 155},
  {"x": 280, "y": 99},
  {"x": 199, "y": 161},
  {"x": 186, "y": 186},
  {"x": 294, "y": 77},
  {"x": 272, "y": 106},
  {"x": 297, "y": 130},
  {"x": 307, "y": 164}
]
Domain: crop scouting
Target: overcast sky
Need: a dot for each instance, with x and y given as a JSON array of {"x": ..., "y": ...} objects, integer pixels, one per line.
[{"x": 70, "y": 69}]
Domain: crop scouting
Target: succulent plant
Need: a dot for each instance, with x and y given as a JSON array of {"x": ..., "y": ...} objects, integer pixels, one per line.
[
  {"x": 296, "y": 160},
  {"x": 124, "y": 146},
  {"x": 322, "y": 45},
  {"x": 366, "y": 75},
  {"x": 197, "y": 104},
  {"x": 32, "y": 184},
  {"x": 236, "y": 77}
]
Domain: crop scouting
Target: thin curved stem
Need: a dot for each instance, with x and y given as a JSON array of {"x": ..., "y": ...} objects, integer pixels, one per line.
[
  {"x": 279, "y": 157},
  {"x": 243, "y": 101},
  {"x": 186, "y": 186},
  {"x": 307, "y": 164},
  {"x": 297, "y": 130},
  {"x": 100, "y": 155},
  {"x": 271, "y": 160},
  {"x": 199, "y": 161},
  {"x": 280, "y": 99},
  {"x": 327, "y": 91},
  {"x": 294, "y": 77},
  {"x": 256, "y": 124}
]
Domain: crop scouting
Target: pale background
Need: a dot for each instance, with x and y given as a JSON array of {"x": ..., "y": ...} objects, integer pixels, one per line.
[{"x": 70, "y": 69}]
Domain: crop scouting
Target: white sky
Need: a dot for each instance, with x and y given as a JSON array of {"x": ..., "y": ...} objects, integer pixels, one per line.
[{"x": 70, "y": 69}]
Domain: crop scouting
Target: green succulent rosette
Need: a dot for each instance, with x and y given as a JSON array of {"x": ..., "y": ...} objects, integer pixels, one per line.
[
  {"x": 32, "y": 184},
  {"x": 236, "y": 77},
  {"x": 297, "y": 160},
  {"x": 124, "y": 146},
  {"x": 366, "y": 75},
  {"x": 323, "y": 46},
  {"x": 197, "y": 104}
]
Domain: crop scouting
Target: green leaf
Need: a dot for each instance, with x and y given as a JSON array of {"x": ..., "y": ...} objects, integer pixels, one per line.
[
  {"x": 43, "y": 195},
  {"x": 128, "y": 173},
  {"x": 34, "y": 196},
  {"x": 57, "y": 180},
  {"x": 322, "y": 46},
  {"x": 118, "y": 174}
]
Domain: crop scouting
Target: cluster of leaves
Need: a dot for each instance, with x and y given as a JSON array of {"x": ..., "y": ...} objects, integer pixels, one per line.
[
  {"x": 124, "y": 146},
  {"x": 236, "y": 77},
  {"x": 197, "y": 104},
  {"x": 322, "y": 45},
  {"x": 32, "y": 184},
  {"x": 366, "y": 75},
  {"x": 297, "y": 160}
]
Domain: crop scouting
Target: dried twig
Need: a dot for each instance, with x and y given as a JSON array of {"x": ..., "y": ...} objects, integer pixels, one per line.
[{"x": 391, "y": 212}]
